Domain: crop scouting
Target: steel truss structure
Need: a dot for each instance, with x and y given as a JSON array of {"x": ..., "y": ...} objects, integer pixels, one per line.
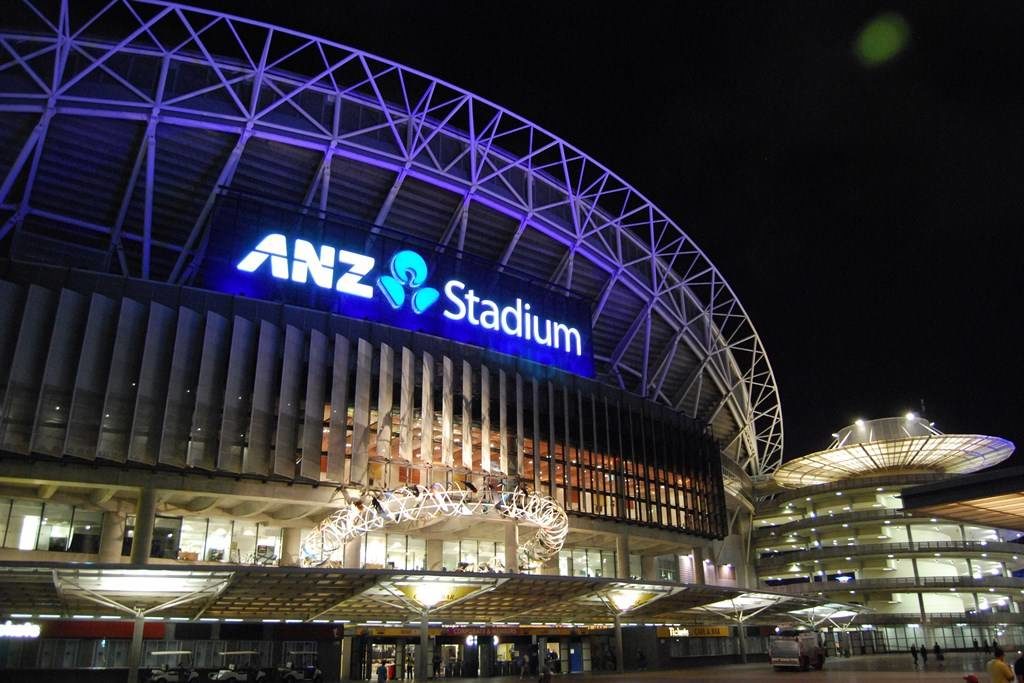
[
  {"x": 324, "y": 545},
  {"x": 122, "y": 122}
]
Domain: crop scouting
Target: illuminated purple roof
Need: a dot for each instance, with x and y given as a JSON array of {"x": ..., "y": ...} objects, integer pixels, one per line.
[{"x": 118, "y": 127}]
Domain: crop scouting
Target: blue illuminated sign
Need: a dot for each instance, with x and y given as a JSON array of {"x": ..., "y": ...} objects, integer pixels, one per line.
[{"x": 446, "y": 297}]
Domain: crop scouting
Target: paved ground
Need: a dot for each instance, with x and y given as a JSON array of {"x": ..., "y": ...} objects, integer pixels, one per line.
[{"x": 898, "y": 667}]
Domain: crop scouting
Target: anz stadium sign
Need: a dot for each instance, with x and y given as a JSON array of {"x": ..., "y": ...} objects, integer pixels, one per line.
[{"x": 421, "y": 289}]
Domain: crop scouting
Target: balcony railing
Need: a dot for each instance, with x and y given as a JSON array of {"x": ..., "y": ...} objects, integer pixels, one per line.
[
  {"x": 866, "y": 550},
  {"x": 945, "y": 618},
  {"x": 898, "y": 583},
  {"x": 770, "y": 507},
  {"x": 827, "y": 520}
]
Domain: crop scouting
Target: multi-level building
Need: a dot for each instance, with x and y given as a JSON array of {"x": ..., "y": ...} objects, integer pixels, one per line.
[
  {"x": 838, "y": 528},
  {"x": 254, "y": 283}
]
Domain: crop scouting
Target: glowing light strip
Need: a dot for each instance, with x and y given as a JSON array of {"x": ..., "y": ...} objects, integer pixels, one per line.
[{"x": 322, "y": 546}]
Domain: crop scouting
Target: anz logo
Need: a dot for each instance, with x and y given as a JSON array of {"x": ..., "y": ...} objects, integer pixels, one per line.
[
  {"x": 305, "y": 263},
  {"x": 408, "y": 269},
  {"x": 343, "y": 271}
]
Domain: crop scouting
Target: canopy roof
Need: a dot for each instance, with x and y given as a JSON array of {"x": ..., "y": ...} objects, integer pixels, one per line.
[
  {"x": 893, "y": 445},
  {"x": 354, "y": 595}
]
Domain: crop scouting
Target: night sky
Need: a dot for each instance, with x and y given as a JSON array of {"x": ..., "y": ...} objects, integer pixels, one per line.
[{"x": 868, "y": 217}]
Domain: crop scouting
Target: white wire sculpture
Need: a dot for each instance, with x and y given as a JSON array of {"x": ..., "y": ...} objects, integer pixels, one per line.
[{"x": 324, "y": 545}]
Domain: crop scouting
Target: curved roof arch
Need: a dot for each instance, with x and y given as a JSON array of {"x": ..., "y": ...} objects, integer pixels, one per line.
[{"x": 123, "y": 123}]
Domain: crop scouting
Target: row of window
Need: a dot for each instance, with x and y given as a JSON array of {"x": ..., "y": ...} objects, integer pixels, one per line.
[{"x": 58, "y": 527}]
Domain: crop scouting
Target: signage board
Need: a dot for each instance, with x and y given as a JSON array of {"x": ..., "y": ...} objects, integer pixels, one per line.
[
  {"x": 268, "y": 252},
  {"x": 694, "y": 631},
  {"x": 9, "y": 629}
]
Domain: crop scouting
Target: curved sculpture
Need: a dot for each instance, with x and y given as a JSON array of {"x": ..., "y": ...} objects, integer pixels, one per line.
[
  {"x": 277, "y": 113},
  {"x": 322, "y": 546}
]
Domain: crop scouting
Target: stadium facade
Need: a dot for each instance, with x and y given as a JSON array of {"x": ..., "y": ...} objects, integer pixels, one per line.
[
  {"x": 293, "y": 335},
  {"x": 839, "y": 529}
]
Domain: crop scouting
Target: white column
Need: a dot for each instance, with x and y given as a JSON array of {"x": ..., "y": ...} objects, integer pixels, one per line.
[
  {"x": 145, "y": 519},
  {"x": 111, "y": 537},
  {"x": 622, "y": 556},
  {"x": 290, "y": 545}
]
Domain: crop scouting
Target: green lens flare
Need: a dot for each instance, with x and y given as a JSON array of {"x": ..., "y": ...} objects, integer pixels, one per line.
[{"x": 881, "y": 39}]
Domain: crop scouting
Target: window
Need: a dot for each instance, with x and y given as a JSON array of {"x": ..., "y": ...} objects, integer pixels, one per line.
[
  {"x": 166, "y": 537},
  {"x": 193, "y": 538},
  {"x": 23, "y": 527},
  {"x": 54, "y": 527},
  {"x": 218, "y": 540},
  {"x": 5, "y": 513},
  {"x": 268, "y": 545},
  {"x": 243, "y": 543},
  {"x": 85, "y": 531}
]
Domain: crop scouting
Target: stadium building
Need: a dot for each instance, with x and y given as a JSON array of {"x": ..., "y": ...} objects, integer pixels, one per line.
[
  {"x": 850, "y": 523},
  {"x": 306, "y": 353}
]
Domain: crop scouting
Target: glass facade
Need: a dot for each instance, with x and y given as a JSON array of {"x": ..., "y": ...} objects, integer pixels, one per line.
[{"x": 48, "y": 526}]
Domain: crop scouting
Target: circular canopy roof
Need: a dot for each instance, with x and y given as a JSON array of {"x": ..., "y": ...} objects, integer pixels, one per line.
[
  {"x": 907, "y": 444},
  {"x": 120, "y": 122}
]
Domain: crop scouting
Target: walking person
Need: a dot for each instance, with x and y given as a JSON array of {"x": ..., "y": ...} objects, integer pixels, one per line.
[
  {"x": 913, "y": 653},
  {"x": 998, "y": 670},
  {"x": 1018, "y": 669},
  {"x": 382, "y": 672},
  {"x": 939, "y": 657},
  {"x": 924, "y": 654}
]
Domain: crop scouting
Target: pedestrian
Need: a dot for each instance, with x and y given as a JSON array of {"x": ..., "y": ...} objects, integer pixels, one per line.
[
  {"x": 545, "y": 672},
  {"x": 524, "y": 666},
  {"x": 977, "y": 648},
  {"x": 382, "y": 672},
  {"x": 1018, "y": 668},
  {"x": 408, "y": 669},
  {"x": 913, "y": 653},
  {"x": 641, "y": 660},
  {"x": 437, "y": 667},
  {"x": 998, "y": 670}
]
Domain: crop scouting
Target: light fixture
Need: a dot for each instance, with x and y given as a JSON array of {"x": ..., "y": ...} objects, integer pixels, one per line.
[{"x": 625, "y": 599}]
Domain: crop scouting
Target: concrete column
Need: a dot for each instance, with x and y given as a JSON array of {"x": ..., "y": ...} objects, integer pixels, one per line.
[
  {"x": 648, "y": 568},
  {"x": 135, "y": 651},
  {"x": 619, "y": 664},
  {"x": 1006, "y": 571},
  {"x": 512, "y": 548},
  {"x": 346, "y": 658},
  {"x": 145, "y": 518},
  {"x": 111, "y": 537},
  {"x": 913, "y": 563},
  {"x": 423, "y": 651},
  {"x": 970, "y": 569},
  {"x": 622, "y": 556},
  {"x": 698, "y": 566},
  {"x": 433, "y": 555},
  {"x": 741, "y": 640},
  {"x": 290, "y": 545},
  {"x": 354, "y": 553}
]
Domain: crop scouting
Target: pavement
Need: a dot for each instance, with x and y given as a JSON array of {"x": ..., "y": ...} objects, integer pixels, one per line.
[{"x": 869, "y": 669}]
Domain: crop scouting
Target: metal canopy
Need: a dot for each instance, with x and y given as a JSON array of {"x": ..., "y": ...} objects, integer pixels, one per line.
[
  {"x": 895, "y": 445},
  {"x": 126, "y": 119},
  {"x": 369, "y": 596}
]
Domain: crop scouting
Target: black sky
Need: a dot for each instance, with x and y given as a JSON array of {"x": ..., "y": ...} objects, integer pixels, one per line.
[{"x": 868, "y": 218}]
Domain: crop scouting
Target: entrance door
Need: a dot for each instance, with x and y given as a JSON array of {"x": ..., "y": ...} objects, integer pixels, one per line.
[{"x": 575, "y": 656}]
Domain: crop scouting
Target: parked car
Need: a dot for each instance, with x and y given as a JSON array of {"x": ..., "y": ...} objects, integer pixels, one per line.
[
  {"x": 301, "y": 666},
  {"x": 240, "y": 665},
  {"x": 178, "y": 667}
]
